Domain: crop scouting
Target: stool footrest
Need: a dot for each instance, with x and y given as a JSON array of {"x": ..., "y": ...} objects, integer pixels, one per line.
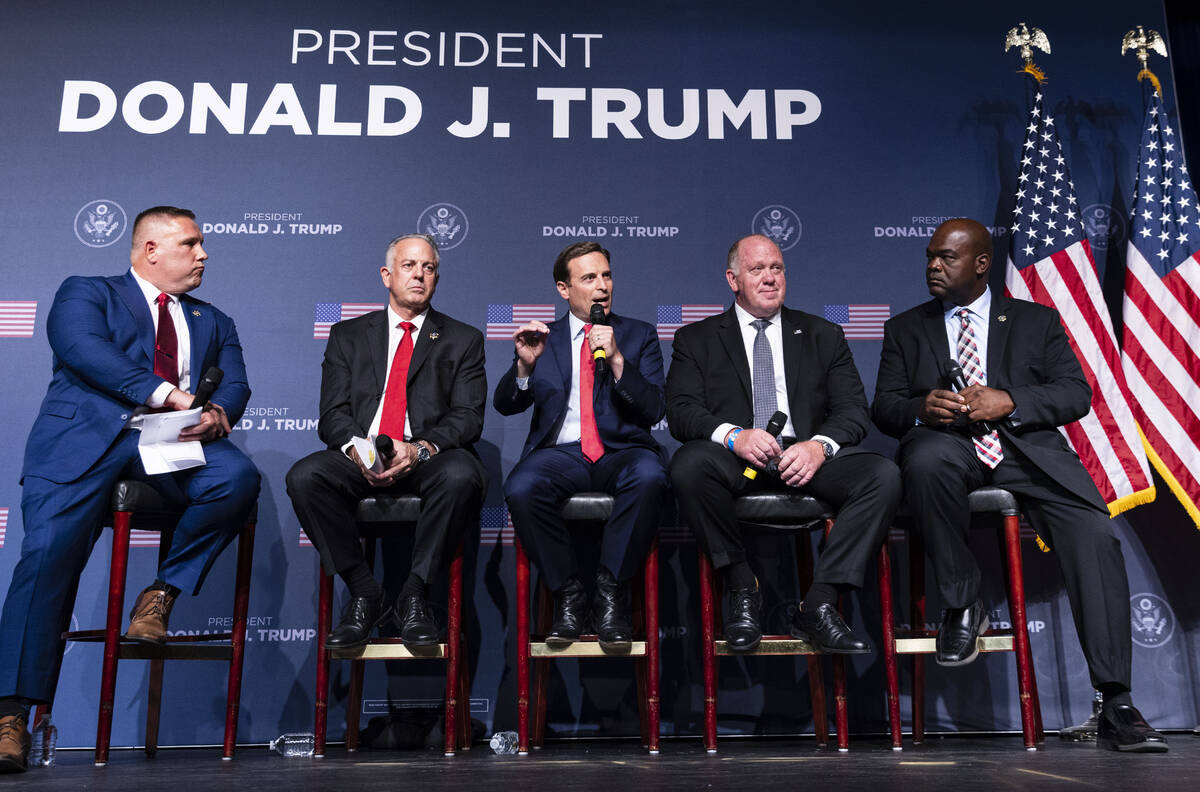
[
  {"x": 97, "y": 636},
  {"x": 389, "y": 649},
  {"x": 584, "y": 647},
  {"x": 986, "y": 643},
  {"x": 771, "y": 645}
]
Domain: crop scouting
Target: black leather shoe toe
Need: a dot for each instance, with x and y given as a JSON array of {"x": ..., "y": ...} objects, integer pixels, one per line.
[
  {"x": 361, "y": 616},
  {"x": 570, "y": 606},
  {"x": 610, "y": 614},
  {"x": 825, "y": 629},
  {"x": 957, "y": 643},
  {"x": 743, "y": 624},
  {"x": 417, "y": 627},
  {"x": 1122, "y": 728}
]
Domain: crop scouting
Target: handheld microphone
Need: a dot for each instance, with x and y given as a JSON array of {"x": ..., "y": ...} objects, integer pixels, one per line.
[
  {"x": 774, "y": 427},
  {"x": 954, "y": 374},
  {"x": 208, "y": 384},
  {"x": 599, "y": 356},
  {"x": 385, "y": 446}
]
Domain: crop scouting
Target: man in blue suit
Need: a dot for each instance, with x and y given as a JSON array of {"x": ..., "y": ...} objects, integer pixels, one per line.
[
  {"x": 123, "y": 345},
  {"x": 598, "y": 442}
]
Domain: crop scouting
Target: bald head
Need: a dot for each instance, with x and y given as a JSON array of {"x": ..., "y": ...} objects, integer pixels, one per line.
[{"x": 957, "y": 261}]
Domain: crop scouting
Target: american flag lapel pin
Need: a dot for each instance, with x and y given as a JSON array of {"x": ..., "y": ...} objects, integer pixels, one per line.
[
  {"x": 195, "y": 312},
  {"x": 1002, "y": 318},
  {"x": 433, "y": 336}
]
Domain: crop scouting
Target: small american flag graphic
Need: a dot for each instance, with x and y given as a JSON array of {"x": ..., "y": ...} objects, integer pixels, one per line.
[
  {"x": 676, "y": 534},
  {"x": 495, "y": 526},
  {"x": 16, "y": 318},
  {"x": 861, "y": 322},
  {"x": 329, "y": 314},
  {"x": 3, "y": 525},
  {"x": 504, "y": 319},
  {"x": 304, "y": 540},
  {"x": 673, "y": 317},
  {"x": 138, "y": 538}
]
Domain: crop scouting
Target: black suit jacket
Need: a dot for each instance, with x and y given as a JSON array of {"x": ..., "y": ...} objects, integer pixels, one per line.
[
  {"x": 447, "y": 384},
  {"x": 709, "y": 380},
  {"x": 1029, "y": 356}
]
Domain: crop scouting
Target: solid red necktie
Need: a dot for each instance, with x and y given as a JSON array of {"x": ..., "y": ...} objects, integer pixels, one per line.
[
  {"x": 166, "y": 343},
  {"x": 395, "y": 400},
  {"x": 589, "y": 435}
]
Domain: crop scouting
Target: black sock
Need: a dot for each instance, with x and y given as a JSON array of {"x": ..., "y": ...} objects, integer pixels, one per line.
[
  {"x": 739, "y": 575},
  {"x": 15, "y": 705},
  {"x": 360, "y": 581},
  {"x": 820, "y": 594},
  {"x": 159, "y": 585},
  {"x": 1115, "y": 694},
  {"x": 414, "y": 586}
]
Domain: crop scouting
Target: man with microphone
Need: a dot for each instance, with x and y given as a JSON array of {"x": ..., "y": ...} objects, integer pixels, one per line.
[
  {"x": 595, "y": 381},
  {"x": 123, "y": 346},
  {"x": 975, "y": 385},
  {"x": 766, "y": 397}
]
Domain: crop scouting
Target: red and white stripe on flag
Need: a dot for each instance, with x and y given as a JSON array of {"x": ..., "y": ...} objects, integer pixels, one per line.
[
  {"x": 304, "y": 540},
  {"x": 140, "y": 538},
  {"x": 3, "y": 525}
]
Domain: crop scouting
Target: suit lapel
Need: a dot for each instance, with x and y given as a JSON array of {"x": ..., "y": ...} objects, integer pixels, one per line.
[
  {"x": 731, "y": 339},
  {"x": 934, "y": 324},
  {"x": 200, "y": 327},
  {"x": 793, "y": 340},
  {"x": 377, "y": 343},
  {"x": 560, "y": 349},
  {"x": 131, "y": 294},
  {"x": 424, "y": 342},
  {"x": 998, "y": 325}
]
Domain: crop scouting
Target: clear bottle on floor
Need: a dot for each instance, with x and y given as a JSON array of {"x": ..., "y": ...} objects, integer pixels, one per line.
[
  {"x": 504, "y": 742},
  {"x": 45, "y": 740},
  {"x": 294, "y": 746}
]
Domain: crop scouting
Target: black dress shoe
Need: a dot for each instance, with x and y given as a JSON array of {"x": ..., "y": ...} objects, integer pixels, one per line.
[
  {"x": 1122, "y": 728},
  {"x": 825, "y": 629},
  {"x": 610, "y": 614},
  {"x": 570, "y": 606},
  {"x": 957, "y": 642},
  {"x": 743, "y": 626},
  {"x": 361, "y": 616},
  {"x": 417, "y": 627}
]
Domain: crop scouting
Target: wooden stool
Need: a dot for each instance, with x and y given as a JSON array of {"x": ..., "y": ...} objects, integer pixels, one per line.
[
  {"x": 138, "y": 498},
  {"x": 377, "y": 516},
  {"x": 775, "y": 512},
  {"x": 585, "y": 507},
  {"x": 919, "y": 641}
]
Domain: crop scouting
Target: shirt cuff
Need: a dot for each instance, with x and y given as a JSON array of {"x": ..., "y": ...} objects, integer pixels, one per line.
[
  {"x": 522, "y": 383},
  {"x": 829, "y": 440},
  {"x": 159, "y": 397},
  {"x": 718, "y": 436}
]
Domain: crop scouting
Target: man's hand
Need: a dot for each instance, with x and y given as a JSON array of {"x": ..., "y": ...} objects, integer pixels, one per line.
[
  {"x": 530, "y": 341},
  {"x": 987, "y": 404},
  {"x": 213, "y": 425},
  {"x": 756, "y": 446},
  {"x": 401, "y": 463},
  {"x": 942, "y": 407},
  {"x": 179, "y": 400},
  {"x": 601, "y": 337},
  {"x": 800, "y": 462}
]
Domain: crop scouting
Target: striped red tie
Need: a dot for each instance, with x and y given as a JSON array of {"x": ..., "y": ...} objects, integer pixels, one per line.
[{"x": 987, "y": 447}]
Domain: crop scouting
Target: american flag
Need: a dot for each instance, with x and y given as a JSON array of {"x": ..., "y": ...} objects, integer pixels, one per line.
[
  {"x": 1161, "y": 349},
  {"x": 329, "y": 314},
  {"x": 16, "y": 318},
  {"x": 504, "y": 319},
  {"x": 673, "y": 317},
  {"x": 3, "y": 525},
  {"x": 676, "y": 534},
  {"x": 1050, "y": 262},
  {"x": 304, "y": 540},
  {"x": 861, "y": 322},
  {"x": 495, "y": 526},
  {"x": 139, "y": 538}
]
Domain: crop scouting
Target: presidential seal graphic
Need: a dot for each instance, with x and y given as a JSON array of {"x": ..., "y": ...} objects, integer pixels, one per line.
[
  {"x": 1104, "y": 227},
  {"x": 100, "y": 223},
  {"x": 1151, "y": 620},
  {"x": 446, "y": 223},
  {"x": 779, "y": 224}
]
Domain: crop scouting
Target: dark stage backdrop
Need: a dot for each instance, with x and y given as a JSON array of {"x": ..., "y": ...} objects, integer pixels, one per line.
[{"x": 306, "y": 134}]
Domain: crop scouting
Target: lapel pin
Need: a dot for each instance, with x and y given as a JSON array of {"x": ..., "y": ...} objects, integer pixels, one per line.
[
  {"x": 1002, "y": 318},
  {"x": 433, "y": 336},
  {"x": 195, "y": 312},
  {"x": 797, "y": 331}
]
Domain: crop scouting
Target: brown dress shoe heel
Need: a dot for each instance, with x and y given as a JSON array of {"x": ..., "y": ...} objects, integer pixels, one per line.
[
  {"x": 148, "y": 619},
  {"x": 14, "y": 744}
]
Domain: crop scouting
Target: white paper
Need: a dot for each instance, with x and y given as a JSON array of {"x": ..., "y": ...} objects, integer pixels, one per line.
[
  {"x": 366, "y": 452},
  {"x": 159, "y": 444}
]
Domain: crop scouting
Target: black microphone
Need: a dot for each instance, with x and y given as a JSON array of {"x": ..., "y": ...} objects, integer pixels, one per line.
[
  {"x": 954, "y": 374},
  {"x": 208, "y": 384},
  {"x": 599, "y": 356},
  {"x": 385, "y": 446},
  {"x": 774, "y": 427}
]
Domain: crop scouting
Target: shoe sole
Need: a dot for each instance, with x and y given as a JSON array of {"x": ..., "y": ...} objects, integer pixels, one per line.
[
  {"x": 559, "y": 643},
  {"x": 750, "y": 647},
  {"x": 1105, "y": 743},
  {"x": 822, "y": 648},
  {"x": 616, "y": 647},
  {"x": 360, "y": 644},
  {"x": 980, "y": 629}
]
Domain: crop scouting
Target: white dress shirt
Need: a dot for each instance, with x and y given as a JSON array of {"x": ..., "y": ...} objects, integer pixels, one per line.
[
  {"x": 395, "y": 335},
  {"x": 980, "y": 310},
  {"x": 183, "y": 355}
]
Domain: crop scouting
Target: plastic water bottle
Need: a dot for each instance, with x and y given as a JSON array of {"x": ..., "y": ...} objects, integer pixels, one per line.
[
  {"x": 504, "y": 742},
  {"x": 294, "y": 746},
  {"x": 45, "y": 740}
]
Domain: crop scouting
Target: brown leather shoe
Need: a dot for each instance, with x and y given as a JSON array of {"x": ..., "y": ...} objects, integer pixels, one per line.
[
  {"x": 14, "y": 744},
  {"x": 148, "y": 619}
]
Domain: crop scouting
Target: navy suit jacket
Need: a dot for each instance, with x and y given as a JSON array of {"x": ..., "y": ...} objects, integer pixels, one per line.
[
  {"x": 102, "y": 335},
  {"x": 625, "y": 411}
]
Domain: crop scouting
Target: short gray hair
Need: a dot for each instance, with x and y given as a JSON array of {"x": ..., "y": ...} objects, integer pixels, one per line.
[{"x": 426, "y": 238}]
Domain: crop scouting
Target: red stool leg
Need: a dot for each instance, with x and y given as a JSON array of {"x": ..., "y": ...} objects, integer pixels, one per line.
[
  {"x": 324, "y": 617},
  {"x": 842, "y": 716},
  {"x": 464, "y": 696},
  {"x": 241, "y": 606},
  {"x": 1016, "y": 604},
  {"x": 639, "y": 628},
  {"x": 541, "y": 669},
  {"x": 816, "y": 675},
  {"x": 888, "y": 610},
  {"x": 153, "y": 706},
  {"x": 453, "y": 651},
  {"x": 916, "y": 583},
  {"x": 650, "y": 574},
  {"x": 707, "y": 637},
  {"x": 112, "y": 632},
  {"x": 354, "y": 704},
  {"x": 522, "y": 648}
]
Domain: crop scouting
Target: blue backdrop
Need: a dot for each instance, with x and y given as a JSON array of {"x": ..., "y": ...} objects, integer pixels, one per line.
[{"x": 305, "y": 135}]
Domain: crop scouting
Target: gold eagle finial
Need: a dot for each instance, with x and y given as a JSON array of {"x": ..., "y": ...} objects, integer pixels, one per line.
[
  {"x": 1025, "y": 38},
  {"x": 1141, "y": 43}
]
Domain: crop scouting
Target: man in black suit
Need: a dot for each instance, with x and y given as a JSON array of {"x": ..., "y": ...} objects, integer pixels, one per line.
[
  {"x": 1024, "y": 381},
  {"x": 417, "y": 376},
  {"x": 590, "y": 431},
  {"x": 729, "y": 374}
]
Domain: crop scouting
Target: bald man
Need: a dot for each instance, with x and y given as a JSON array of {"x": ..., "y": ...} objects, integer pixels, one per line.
[{"x": 1022, "y": 381}]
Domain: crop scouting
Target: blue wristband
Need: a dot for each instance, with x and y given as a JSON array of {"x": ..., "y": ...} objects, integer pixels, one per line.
[{"x": 731, "y": 437}]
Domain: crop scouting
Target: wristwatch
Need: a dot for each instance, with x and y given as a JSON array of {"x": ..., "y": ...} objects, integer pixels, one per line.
[
  {"x": 422, "y": 452},
  {"x": 827, "y": 447}
]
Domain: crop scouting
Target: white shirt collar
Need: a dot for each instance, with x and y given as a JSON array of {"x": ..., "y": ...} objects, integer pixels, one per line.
[
  {"x": 576, "y": 324},
  {"x": 745, "y": 317},
  {"x": 981, "y": 307},
  {"x": 394, "y": 319},
  {"x": 150, "y": 291}
]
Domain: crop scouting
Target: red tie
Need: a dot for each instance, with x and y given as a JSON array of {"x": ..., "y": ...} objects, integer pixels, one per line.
[
  {"x": 166, "y": 343},
  {"x": 589, "y": 435},
  {"x": 395, "y": 400}
]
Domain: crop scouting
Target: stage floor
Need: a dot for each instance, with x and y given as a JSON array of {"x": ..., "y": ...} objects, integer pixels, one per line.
[{"x": 971, "y": 763}]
